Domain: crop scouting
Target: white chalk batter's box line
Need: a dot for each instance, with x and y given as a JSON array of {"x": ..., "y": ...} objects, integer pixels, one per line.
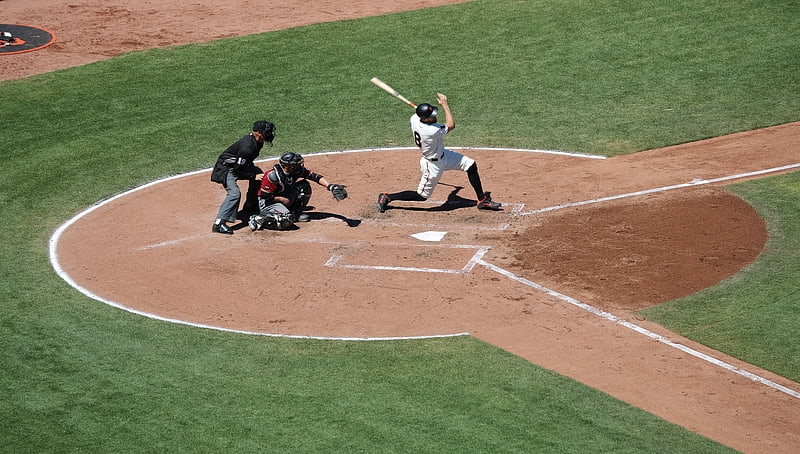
[
  {"x": 335, "y": 261},
  {"x": 480, "y": 251}
]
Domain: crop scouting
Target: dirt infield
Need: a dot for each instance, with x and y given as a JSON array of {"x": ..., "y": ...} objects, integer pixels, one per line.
[{"x": 552, "y": 278}]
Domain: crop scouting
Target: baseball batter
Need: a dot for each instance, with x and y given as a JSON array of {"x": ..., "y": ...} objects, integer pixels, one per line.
[{"x": 436, "y": 159}]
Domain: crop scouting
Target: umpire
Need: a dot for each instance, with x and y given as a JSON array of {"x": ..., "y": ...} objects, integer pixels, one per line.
[{"x": 236, "y": 163}]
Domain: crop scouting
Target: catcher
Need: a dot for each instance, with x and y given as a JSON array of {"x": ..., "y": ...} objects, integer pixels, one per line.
[{"x": 285, "y": 192}]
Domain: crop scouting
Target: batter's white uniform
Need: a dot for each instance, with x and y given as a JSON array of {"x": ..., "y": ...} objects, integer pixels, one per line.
[{"x": 435, "y": 157}]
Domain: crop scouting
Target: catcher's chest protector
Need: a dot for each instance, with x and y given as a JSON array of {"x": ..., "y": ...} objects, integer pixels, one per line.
[{"x": 281, "y": 179}]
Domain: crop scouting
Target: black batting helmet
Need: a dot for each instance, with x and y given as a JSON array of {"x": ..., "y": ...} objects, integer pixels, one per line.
[{"x": 426, "y": 110}]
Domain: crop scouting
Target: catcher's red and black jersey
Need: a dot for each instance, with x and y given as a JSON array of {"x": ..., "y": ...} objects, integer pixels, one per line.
[{"x": 276, "y": 182}]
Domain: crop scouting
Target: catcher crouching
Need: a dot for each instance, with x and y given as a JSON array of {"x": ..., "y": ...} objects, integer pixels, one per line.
[{"x": 285, "y": 193}]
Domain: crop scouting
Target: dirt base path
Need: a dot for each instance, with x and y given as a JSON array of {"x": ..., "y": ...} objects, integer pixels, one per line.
[{"x": 540, "y": 279}]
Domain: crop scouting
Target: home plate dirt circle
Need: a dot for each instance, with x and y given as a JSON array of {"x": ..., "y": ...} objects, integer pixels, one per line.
[{"x": 427, "y": 269}]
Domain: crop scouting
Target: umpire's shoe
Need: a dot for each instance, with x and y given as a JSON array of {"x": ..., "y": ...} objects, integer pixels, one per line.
[
  {"x": 222, "y": 228},
  {"x": 487, "y": 204}
]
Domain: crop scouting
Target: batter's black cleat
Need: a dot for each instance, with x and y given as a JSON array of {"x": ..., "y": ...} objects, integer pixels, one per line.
[
  {"x": 487, "y": 204},
  {"x": 383, "y": 201},
  {"x": 222, "y": 228}
]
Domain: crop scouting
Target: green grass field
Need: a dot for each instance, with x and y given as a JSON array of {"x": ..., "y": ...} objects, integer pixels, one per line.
[{"x": 603, "y": 77}]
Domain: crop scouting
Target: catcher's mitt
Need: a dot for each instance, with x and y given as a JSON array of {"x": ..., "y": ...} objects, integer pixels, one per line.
[{"x": 338, "y": 191}]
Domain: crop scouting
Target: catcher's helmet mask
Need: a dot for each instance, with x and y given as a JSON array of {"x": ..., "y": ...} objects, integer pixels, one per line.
[
  {"x": 425, "y": 111},
  {"x": 292, "y": 162}
]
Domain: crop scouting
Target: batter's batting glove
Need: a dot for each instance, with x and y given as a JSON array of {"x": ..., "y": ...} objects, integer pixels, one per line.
[{"x": 338, "y": 191}]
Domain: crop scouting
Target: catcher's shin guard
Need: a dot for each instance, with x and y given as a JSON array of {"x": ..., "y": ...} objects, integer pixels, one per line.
[
  {"x": 270, "y": 221},
  {"x": 272, "y": 217},
  {"x": 256, "y": 222},
  {"x": 303, "y": 195}
]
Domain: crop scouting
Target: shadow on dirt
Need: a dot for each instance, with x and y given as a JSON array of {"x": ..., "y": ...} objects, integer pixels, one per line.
[
  {"x": 318, "y": 215},
  {"x": 453, "y": 202}
]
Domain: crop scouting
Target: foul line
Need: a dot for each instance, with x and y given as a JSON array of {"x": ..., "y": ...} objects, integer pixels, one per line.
[
  {"x": 615, "y": 319},
  {"x": 697, "y": 182}
]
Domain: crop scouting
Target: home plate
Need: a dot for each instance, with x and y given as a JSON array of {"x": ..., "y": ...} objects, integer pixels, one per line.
[{"x": 429, "y": 236}]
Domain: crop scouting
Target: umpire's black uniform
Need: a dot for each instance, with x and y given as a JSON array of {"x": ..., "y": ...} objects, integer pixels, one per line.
[{"x": 236, "y": 163}]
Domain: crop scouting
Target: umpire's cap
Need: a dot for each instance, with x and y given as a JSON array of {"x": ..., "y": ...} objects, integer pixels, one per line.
[
  {"x": 266, "y": 128},
  {"x": 426, "y": 110}
]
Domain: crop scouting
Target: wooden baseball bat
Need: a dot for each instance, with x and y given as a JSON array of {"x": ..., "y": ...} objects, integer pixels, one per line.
[{"x": 391, "y": 91}]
